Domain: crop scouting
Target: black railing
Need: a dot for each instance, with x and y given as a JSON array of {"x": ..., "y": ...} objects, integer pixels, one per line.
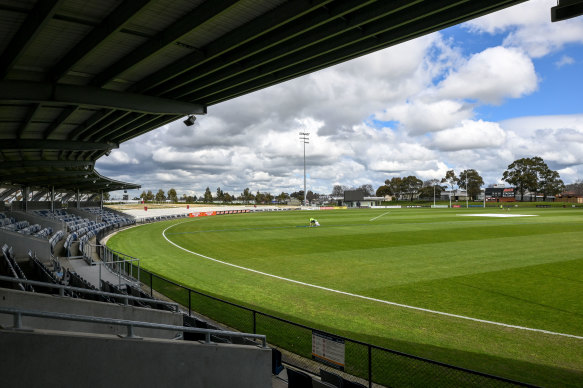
[{"x": 365, "y": 363}]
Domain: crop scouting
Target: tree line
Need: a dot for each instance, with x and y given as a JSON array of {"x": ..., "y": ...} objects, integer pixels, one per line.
[
  {"x": 525, "y": 174},
  {"x": 223, "y": 197}
]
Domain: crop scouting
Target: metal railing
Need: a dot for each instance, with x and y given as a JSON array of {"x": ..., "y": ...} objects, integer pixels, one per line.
[
  {"x": 18, "y": 313},
  {"x": 62, "y": 288}
]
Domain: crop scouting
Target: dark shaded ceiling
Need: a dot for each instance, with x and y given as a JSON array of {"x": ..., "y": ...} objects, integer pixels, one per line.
[{"x": 78, "y": 78}]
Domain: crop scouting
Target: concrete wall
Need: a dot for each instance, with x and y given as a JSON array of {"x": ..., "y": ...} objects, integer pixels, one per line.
[
  {"x": 55, "y": 303},
  {"x": 22, "y": 243},
  {"x": 53, "y": 359}
]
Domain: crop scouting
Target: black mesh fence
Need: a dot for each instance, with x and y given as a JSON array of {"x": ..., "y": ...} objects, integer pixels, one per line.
[{"x": 364, "y": 363}]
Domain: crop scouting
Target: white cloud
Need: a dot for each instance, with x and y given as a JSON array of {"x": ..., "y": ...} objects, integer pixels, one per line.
[
  {"x": 470, "y": 135},
  {"x": 530, "y": 29},
  {"x": 491, "y": 76},
  {"x": 565, "y": 60}
]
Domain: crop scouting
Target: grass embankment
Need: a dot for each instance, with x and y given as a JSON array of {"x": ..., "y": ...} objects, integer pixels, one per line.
[{"x": 518, "y": 271}]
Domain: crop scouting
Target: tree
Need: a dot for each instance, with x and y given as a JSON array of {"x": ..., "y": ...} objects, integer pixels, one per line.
[
  {"x": 143, "y": 195},
  {"x": 298, "y": 194},
  {"x": 576, "y": 187},
  {"x": 431, "y": 187},
  {"x": 367, "y": 190},
  {"x": 220, "y": 195},
  {"x": 338, "y": 191},
  {"x": 106, "y": 196},
  {"x": 208, "y": 197},
  {"x": 550, "y": 183},
  {"x": 172, "y": 195},
  {"x": 149, "y": 196},
  {"x": 383, "y": 191},
  {"x": 310, "y": 196},
  {"x": 396, "y": 186},
  {"x": 471, "y": 180},
  {"x": 228, "y": 198},
  {"x": 411, "y": 185},
  {"x": 524, "y": 174},
  {"x": 160, "y": 196},
  {"x": 246, "y": 195},
  {"x": 451, "y": 180},
  {"x": 283, "y": 197}
]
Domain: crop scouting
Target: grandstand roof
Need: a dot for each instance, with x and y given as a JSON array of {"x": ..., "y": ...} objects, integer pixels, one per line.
[{"x": 77, "y": 78}]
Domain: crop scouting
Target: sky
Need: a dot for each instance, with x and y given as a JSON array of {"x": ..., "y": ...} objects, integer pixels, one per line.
[{"x": 475, "y": 96}]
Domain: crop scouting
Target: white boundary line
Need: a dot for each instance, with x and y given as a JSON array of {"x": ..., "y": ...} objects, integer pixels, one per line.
[
  {"x": 367, "y": 297},
  {"x": 372, "y": 219}
]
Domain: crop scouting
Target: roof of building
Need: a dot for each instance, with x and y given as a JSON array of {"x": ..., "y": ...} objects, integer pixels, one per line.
[{"x": 77, "y": 78}]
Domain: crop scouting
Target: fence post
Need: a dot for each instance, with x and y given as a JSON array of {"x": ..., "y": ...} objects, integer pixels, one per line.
[
  {"x": 151, "y": 290},
  {"x": 369, "y": 367},
  {"x": 254, "y": 322},
  {"x": 189, "y": 305}
]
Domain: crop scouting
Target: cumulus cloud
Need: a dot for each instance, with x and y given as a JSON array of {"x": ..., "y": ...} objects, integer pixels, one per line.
[
  {"x": 530, "y": 29},
  {"x": 470, "y": 135},
  {"x": 490, "y": 76}
]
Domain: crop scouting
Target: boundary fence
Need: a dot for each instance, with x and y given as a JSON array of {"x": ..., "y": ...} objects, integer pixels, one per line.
[{"x": 365, "y": 363}]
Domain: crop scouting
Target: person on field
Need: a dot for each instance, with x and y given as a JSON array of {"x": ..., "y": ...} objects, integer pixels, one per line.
[{"x": 314, "y": 222}]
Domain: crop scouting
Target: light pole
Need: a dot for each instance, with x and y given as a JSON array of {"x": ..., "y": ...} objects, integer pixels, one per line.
[
  {"x": 467, "y": 194},
  {"x": 304, "y": 138}
]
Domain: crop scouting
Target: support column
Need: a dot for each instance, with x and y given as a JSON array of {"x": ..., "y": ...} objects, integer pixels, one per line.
[
  {"x": 101, "y": 199},
  {"x": 24, "y": 198},
  {"x": 78, "y": 199},
  {"x": 52, "y": 199}
]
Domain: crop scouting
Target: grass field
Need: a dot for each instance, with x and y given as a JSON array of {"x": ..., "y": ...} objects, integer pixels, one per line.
[{"x": 522, "y": 271}]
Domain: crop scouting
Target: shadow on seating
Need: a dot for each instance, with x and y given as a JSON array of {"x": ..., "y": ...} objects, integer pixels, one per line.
[{"x": 298, "y": 379}]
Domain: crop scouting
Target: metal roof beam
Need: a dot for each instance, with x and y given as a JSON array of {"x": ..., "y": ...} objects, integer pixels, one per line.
[
  {"x": 35, "y": 145},
  {"x": 114, "y": 22},
  {"x": 146, "y": 128},
  {"x": 262, "y": 25},
  {"x": 33, "y": 177},
  {"x": 198, "y": 16},
  {"x": 65, "y": 114},
  {"x": 17, "y": 91},
  {"x": 37, "y": 18},
  {"x": 31, "y": 112},
  {"x": 90, "y": 123},
  {"x": 279, "y": 45},
  {"x": 47, "y": 163},
  {"x": 346, "y": 47}
]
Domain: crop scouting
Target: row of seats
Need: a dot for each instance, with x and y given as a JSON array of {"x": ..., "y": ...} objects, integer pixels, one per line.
[
  {"x": 164, "y": 218},
  {"x": 299, "y": 379},
  {"x": 24, "y": 227},
  {"x": 9, "y": 267}
]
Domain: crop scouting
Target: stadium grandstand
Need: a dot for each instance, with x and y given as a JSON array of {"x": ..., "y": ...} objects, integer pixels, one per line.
[{"x": 77, "y": 79}]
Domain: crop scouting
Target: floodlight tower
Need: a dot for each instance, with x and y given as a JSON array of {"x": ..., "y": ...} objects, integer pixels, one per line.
[{"x": 304, "y": 138}]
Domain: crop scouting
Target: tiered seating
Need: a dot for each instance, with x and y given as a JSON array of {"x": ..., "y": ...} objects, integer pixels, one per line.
[
  {"x": 74, "y": 280},
  {"x": 41, "y": 273},
  {"x": 83, "y": 229},
  {"x": 55, "y": 238},
  {"x": 15, "y": 226},
  {"x": 110, "y": 218},
  {"x": 9, "y": 267},
  {"x": 30, "y": 229}
]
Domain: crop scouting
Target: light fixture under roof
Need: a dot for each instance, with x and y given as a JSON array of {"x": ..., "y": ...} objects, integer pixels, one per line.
[{"x": 189, "y": 121}]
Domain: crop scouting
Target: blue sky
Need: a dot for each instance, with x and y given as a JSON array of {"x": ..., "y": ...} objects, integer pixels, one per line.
[{"x": 479, "y": 95}]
